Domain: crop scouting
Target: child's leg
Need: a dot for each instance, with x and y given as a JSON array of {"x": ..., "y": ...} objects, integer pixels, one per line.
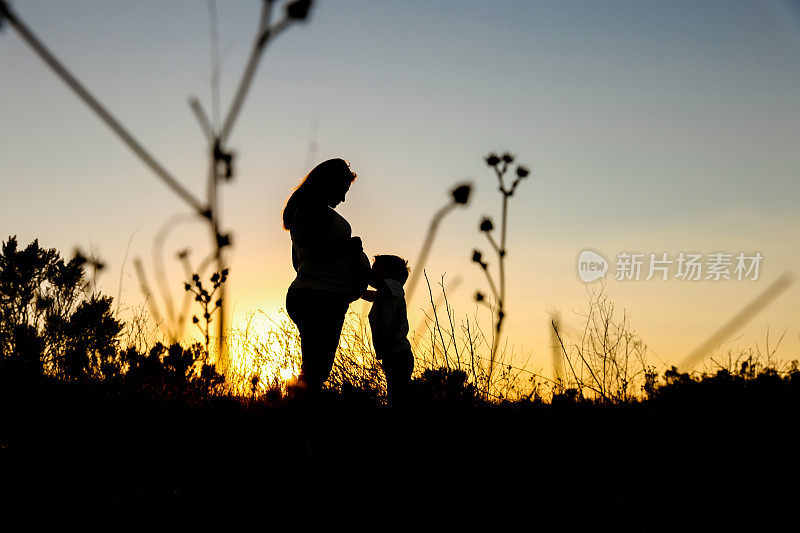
[{"x": 398, "y": 369}]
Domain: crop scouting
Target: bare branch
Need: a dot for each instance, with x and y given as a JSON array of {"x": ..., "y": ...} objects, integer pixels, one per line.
[
  {"x": 98, "y": 109},
  {"x": 262, "y": 37},
  {"x": 202, "y": 119},
  {"x": 749, "y": 311}
]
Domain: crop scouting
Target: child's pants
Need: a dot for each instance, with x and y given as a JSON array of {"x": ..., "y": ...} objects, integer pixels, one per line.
[{"x": 398, "y": 368}]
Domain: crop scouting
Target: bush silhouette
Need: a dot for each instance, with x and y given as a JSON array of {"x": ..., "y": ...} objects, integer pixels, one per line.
[
  {"x": 445, "y": 385},
  {"x": 171, "y": 373},
  {"x": 50, "y": 326},
  {"x": 48, "y": 323}
]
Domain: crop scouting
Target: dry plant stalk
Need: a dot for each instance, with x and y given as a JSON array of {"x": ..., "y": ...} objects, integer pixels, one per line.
[
  {"x": 609, "y": 360},
  {"x": 501, "y": 165},
  {"x": 220, "y": 156},
  {"x": 459, "y": 196}
]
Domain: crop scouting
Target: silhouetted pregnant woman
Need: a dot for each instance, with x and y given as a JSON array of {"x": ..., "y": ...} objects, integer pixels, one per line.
[{"x": 331, "y": 266}]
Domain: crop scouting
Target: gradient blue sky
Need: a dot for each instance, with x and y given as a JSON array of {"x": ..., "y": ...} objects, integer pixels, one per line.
[{"x": 649, "y": 126}]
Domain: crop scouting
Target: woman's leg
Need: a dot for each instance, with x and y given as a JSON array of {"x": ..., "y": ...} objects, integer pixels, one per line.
[{"x": 319, "y": 317}]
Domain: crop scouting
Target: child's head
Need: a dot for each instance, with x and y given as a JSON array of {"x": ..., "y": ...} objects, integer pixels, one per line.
[{"x": 390, "y": 267}]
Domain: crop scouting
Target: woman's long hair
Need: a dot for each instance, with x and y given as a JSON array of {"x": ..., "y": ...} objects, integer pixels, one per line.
[{"x": 317, "y": 186}]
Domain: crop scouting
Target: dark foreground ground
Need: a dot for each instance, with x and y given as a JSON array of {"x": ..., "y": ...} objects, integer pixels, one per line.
[{"x": 715, "y": 465}]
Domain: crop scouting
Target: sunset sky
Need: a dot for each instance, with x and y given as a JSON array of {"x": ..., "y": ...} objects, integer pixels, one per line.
[{"x": 649, "y": 127}]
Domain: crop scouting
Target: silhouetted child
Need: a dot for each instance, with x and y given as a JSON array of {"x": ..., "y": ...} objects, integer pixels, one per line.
[{"x": 389, "y": 324}]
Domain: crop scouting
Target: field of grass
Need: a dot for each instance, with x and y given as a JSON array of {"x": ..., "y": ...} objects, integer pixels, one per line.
[
  {"x": 708, "y": 451},
  {"x": 97, "y": 414}
]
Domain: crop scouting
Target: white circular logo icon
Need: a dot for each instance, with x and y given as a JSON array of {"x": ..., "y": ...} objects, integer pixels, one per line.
[{"x": 591, "y": 266}]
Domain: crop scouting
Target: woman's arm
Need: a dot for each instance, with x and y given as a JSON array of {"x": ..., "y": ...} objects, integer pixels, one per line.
[{"x": 295, "y": 260}]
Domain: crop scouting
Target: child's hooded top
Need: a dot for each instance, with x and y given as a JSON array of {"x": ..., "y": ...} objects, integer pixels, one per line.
[{"x": 388, "y": 319}]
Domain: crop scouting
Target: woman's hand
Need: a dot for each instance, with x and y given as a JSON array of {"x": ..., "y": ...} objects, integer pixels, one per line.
[
  {"x": 364, "y": 268},
  {"x": 362, "y": 272},
  {"x": 355, "y": 244}
]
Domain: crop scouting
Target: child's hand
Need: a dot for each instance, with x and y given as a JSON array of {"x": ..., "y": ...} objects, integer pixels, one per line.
[{"x": 369, "y": 295}]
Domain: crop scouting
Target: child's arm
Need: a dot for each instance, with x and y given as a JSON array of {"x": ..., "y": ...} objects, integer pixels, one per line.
[{"x": 369, "y": 295}]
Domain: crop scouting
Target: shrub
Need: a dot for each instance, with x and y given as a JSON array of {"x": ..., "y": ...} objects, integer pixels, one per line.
[{"x": 49, "y": 324}]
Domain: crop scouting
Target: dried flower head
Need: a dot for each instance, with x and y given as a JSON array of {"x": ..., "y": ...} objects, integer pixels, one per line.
[
  {"x": 79, "y": 257},
  {"x": 486, "y": 224},
  {"x": 298, "y": 10},
  {"x": 461, "y": 193},
  {"x": 508, "y": 158},
  {"x": 479, "y": 297},
  {"x": 223, "y": 240},
  {"x": 492, "y": 160},
  {"x": 522, "y": 172}
]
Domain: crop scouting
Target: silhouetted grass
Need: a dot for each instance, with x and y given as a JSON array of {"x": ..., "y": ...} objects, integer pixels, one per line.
[
  {"x": 140, "y": 425},
  {"x": 690, "y": 453}
]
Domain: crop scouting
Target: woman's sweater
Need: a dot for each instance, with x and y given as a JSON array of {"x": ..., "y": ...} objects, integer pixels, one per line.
[{"x": 325, "y": 255}]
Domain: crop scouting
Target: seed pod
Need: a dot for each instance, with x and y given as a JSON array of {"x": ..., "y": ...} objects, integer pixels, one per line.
[
  {"x": 461, "y": 193},
  {"x": 298, "y": 10}
]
